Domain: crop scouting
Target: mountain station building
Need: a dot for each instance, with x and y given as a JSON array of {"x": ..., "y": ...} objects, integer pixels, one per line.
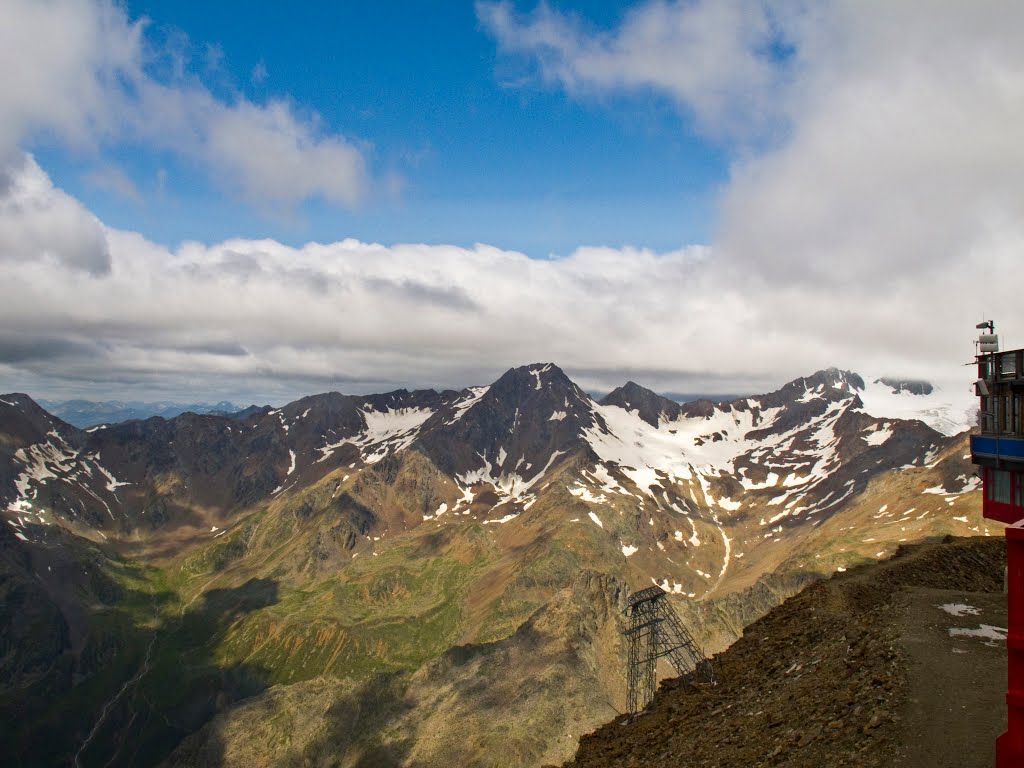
[{"x": 999, "y": 453}]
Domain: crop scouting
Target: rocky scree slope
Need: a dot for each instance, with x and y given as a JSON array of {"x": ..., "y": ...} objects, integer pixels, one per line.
[{"x": 820, "y": 680}]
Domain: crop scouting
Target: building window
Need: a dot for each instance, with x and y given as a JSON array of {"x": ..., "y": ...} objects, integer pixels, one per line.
[
  {"x": 1019, "y": 483},
  {"x": 1008, "y": 365},
  {"x": 998, "y": 486},
  {"x": 987, "y": 405}
]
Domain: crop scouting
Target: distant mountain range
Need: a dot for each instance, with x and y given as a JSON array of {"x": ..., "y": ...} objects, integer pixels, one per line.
[
  {"x": 86, "y": 413},
  {"x": 429, "y": 562}
]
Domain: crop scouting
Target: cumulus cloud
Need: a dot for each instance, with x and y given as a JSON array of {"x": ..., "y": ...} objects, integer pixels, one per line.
[
  {"x": 40, "y": 224},
  {"x": 239, "y": 314},
  {"x": 259, "y": 320},
  {"x": 81, "y": 72},
  {"x": 883, "y": 214}
]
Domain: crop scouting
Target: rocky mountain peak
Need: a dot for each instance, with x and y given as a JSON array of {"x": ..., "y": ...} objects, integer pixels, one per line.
[
  {"x": 517, "y": 426},
  {"x": 837, "y": 379},
  {"x": 650, "y": 406},
  {"x": 911, "y": 386},
  {"x": 525, "y": 380},
  {"x": 25, "y": 420}
]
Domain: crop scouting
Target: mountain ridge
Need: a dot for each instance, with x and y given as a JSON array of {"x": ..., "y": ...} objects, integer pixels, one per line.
[{"x": 346, "y": 537}]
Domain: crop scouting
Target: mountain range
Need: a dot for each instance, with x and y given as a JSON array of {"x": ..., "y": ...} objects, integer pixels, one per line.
[
  {"x": 88, "y": 413},
  {"x": 423, "y": 577}
]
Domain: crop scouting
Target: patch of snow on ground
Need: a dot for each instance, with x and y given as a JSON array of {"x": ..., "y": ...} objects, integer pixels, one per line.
[
  {"x": 608, "y": 483},
  {"x": 596, "y": 519},
  {"x": 585, "y": 495},
  {"x": 509, "y": 485},
  {"x": 811, "y": 394},
  {"x": 769, "y": 482},
  {"x": 112, "y": 482},
  {"x": 387, "y": 430},
  {"x": 536, "y": 373},
  {"x": 960, "y": 609},
  {"x": 475, "y": 393},
  {"x": 505, "y": 519},
  {"x": 291, "y": 467},
  {"x": 557, "y": 416},
  {"x": 878, "y": 435},
  {"x": 673, "y": 587},
  {"x": 640, "y": 449},
  {"x": 985, "y": 631},
  {"x": 628, "y": 550}
]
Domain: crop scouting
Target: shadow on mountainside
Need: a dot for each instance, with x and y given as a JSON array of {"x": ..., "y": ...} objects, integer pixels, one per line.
[
  {"x": 374, "y": 707},
  {"x": 318, "y": 722},
  {"x": 186, "y": 685},
  {"x": 95, "y": 673}
]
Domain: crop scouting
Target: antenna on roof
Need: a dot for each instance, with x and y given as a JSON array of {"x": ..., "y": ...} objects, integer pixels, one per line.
[{"x": 988, "y": 343}]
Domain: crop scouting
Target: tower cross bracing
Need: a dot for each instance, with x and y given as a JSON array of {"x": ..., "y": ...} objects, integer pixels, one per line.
[{"x": 654, "y": 632}]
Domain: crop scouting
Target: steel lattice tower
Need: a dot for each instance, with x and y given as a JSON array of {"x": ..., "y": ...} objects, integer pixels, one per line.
[{"x": 656, "y": 631}]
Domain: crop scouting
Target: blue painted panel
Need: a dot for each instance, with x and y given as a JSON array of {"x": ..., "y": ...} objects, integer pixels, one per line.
[{"x": 998, "y": 447}]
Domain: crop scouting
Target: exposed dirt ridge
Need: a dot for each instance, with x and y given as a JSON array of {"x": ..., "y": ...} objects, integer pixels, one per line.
[{"x": 822, "y": 680}]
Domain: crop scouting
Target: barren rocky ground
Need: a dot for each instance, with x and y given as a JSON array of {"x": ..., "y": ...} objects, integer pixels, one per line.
[{"x": 892, "y": 664}]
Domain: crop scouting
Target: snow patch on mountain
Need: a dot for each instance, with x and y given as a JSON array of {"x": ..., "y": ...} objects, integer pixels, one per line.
[
  {"x": 876, "y": 435},
  {"x": 674, "y": 450},
  {"x": 509, "y": 486},
  {"x": 948, "y": 412},
  {"x": 463, "y": 405},
  {"x": 386, "y": 431}
]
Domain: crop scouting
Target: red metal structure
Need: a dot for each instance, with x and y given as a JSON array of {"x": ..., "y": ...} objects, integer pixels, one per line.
[{"x": 999, "y": 451}]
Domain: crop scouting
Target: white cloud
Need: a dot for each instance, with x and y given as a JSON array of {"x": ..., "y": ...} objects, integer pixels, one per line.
[
  {"x": 273, "y": 156},
  {"x": 715, "y": 58},
  {"x": 872, "y": 237},
  {"x": 255, "y": 319},
  {"x": 885, "y": 213},
  {"x": 76, "y": 73},
  {"x": 42, "y": 227},
  {"x": 61, "y": 63}
]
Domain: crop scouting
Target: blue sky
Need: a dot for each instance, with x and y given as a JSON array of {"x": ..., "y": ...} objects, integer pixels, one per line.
[
  {"x": 460, "y": 155},
  {"x": 253, "y": 201}
]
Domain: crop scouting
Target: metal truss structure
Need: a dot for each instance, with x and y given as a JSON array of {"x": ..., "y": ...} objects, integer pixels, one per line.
[{"x": 654, "y": 632}]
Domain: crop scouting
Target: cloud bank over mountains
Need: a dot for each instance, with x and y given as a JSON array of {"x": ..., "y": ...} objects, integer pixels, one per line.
[{"x": 874, "y": 211}]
